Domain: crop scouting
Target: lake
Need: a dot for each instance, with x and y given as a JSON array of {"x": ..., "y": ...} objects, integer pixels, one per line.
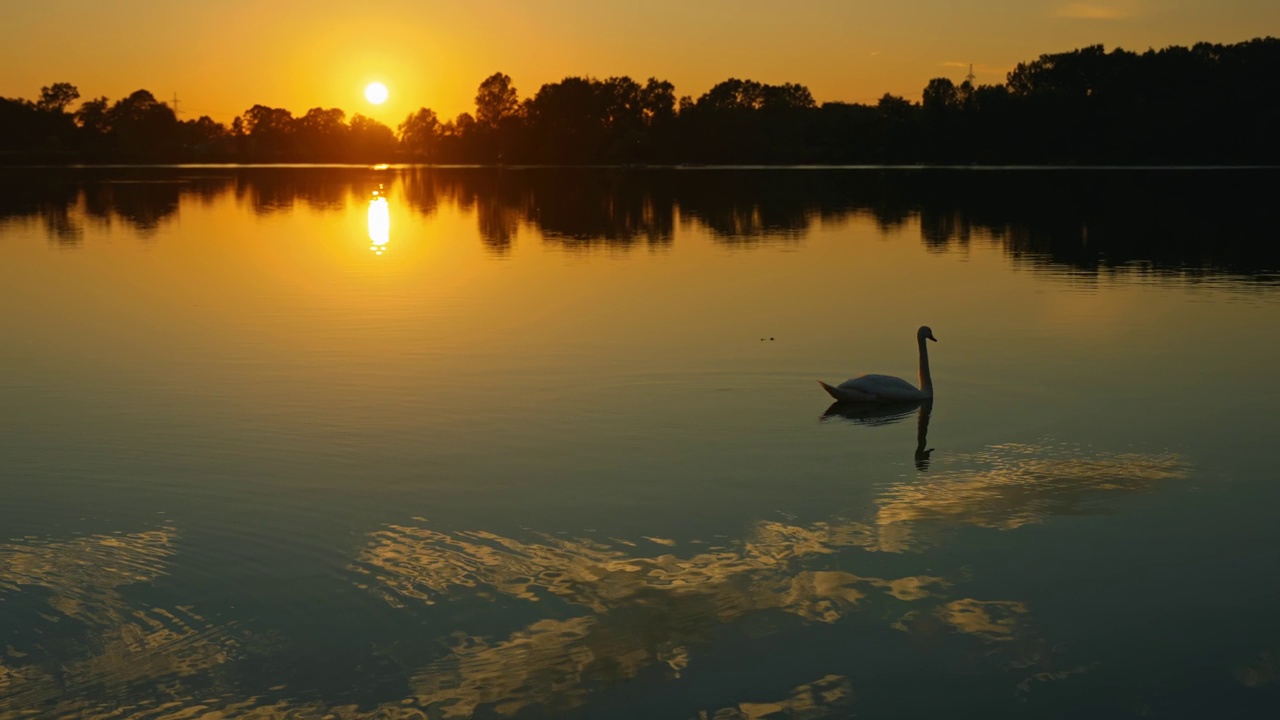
[{"x": 405, "y": 442}]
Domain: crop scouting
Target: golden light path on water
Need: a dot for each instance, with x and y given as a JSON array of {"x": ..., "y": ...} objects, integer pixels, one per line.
[{"x": 379, "y": 223}]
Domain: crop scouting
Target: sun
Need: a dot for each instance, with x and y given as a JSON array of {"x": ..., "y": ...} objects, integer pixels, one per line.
[{"x": 376, "y": 93}]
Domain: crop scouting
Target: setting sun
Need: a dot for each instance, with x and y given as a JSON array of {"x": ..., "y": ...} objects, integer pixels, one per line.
[{"x": 376, "y": 93}]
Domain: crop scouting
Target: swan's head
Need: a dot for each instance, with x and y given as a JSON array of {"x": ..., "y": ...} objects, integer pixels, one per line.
[{"x": 924, "y": 332}]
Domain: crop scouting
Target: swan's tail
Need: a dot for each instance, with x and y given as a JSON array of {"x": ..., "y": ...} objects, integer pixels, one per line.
[
  {"x": 849, "y": 395},
  {"x": 833, "y": 392}
]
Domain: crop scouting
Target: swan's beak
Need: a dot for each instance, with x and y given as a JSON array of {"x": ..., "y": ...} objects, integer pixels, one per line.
[{"x": 932, "y": 338}]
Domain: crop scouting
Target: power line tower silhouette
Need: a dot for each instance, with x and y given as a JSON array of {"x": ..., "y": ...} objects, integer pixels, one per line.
[
  {"x": 967, "y": 78},
  {"x": 176, "y": 111}
]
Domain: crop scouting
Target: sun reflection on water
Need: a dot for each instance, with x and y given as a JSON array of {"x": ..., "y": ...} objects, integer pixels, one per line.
[{"x": 379, "y": 222}]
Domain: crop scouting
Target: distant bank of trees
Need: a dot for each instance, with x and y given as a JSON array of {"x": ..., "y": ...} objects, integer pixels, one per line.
[{"x": 1207, "y": 103}]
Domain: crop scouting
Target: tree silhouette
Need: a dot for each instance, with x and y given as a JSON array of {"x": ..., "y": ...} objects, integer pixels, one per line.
[
  {"x": 269, "y": 132},
  {"x": 496, "y": 100},
  {"x": 420, "y": 132},
  {"x": 940, "y": 96},
  {"x": 657, "y": 102},
  {"x": 204, "y": 138},
  {"x": 567, "y": 120},
  {"x": 788, "y": 96},
  {"x": 321, "y": 133},
  {"x": 56, "y": 97},
  {"x": 370, "y": 138},
  {"x": 92, "y": 116},
  {"x": 143, "y": 127}
]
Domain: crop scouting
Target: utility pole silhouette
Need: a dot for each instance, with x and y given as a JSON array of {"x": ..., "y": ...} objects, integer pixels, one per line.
[{"x": 176, "y": 112}]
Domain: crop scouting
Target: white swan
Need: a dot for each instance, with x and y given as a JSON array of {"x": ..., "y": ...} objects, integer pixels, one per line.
[{"x": 886, "y": 388}]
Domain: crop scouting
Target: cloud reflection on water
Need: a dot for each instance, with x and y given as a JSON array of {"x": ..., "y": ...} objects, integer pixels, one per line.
[
  {"x": 1008, "y": 486},
  {"x": 126, "y": 646},
  {"x": 605, "y": 612},
  {"x": 646, "y": 611}
]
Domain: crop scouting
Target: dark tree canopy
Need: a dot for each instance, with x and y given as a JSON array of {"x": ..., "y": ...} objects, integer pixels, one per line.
[
  {"x": 1207, "y": 104},
  {"x": 56, "y": 97},
  {"x": 420, "y": 132},
  {"x": 496, "y": 100}
]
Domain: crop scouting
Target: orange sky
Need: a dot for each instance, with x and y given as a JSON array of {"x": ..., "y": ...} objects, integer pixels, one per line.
[{"x": 221, "y": 58}]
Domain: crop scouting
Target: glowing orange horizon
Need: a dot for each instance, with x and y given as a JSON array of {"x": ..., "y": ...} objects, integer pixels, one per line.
[{"x": 437, "y": 56}]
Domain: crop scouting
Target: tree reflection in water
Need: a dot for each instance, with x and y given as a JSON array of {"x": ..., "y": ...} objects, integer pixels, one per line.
[{"x": 1197, "y": 223}]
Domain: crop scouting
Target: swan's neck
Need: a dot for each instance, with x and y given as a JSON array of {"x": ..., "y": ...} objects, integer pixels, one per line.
[{"x": 926, "y": 381}]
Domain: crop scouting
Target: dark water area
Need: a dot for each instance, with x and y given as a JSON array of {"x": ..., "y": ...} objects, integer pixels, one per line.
[{"x": 407, "y": 442}]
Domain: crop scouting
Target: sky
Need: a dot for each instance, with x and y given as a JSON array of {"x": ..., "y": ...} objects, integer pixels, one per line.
[{"x": 220, "y": 58}]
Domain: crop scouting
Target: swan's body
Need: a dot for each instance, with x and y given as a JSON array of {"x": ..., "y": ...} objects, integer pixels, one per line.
[
  {"x": 876, "y": 389},
  {"x": 887, "y": 388}
]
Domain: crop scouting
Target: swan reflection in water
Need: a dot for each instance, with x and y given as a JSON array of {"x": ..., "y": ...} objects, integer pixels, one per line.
[{"x": 877, "y": 415}]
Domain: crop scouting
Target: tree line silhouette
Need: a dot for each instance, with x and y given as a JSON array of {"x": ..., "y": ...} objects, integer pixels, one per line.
[
  {"x": 1205, "y": 104},
  {"x": 1187, "y": 224}
]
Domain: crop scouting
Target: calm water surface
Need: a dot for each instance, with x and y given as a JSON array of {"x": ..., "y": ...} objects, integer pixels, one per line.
[{"x": 407, "y": 443}]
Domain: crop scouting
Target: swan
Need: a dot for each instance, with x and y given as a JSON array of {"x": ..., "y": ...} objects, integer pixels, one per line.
[{"x": 886, "y": 388}]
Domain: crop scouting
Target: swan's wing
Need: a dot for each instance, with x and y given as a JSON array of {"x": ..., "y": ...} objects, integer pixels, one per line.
[{"x": 881, "y": 388}]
